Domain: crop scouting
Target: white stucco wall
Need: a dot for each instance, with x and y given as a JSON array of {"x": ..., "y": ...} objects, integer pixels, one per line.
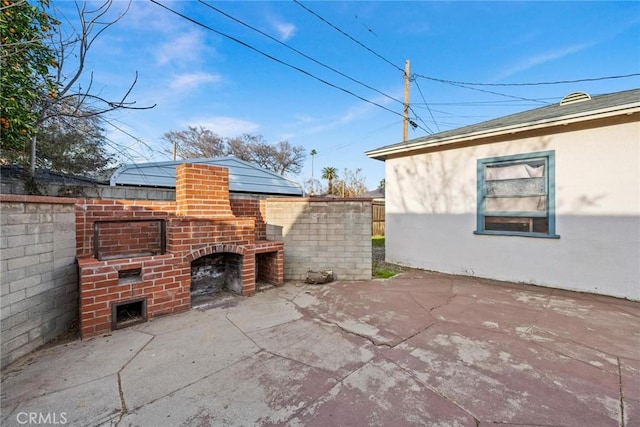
[{"x": 431, "y": 214}]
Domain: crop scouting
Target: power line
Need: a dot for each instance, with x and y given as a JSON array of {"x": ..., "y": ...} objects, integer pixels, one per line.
[
  {"x": 594, "y": 79},
  {"x": 428, "y": 130},
  {"x": 348, "y": 36},
  {"x": 497, "y": 93},
  {"x": 427, "y": 105},
  {"x": 499, "y": 103},
  {"x": 298, "y": 51},
  {"x": 200, "y": 24}
]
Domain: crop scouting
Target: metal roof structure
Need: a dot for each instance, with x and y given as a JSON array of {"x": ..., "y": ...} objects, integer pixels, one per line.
[
  {"x": 579, "y": 109},
  {"x": 244, "y": 177}
]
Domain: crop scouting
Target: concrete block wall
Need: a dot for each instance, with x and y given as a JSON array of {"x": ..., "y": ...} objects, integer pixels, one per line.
[
  {"x": 38, "y": 273},
  {"x": 90, "y": 191},
  {"x": 323, "y": 234}
]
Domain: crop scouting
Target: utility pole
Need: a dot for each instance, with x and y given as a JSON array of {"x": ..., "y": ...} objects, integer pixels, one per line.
[
  {"x": 405, "y": 125},
  {"x": 33, "y": 157},
  {"x": 175, "y": 148},
  {"x": 313, "y": 154}
]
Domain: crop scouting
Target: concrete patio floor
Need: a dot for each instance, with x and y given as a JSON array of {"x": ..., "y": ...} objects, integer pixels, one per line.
[{"x": 419, "y": 349}]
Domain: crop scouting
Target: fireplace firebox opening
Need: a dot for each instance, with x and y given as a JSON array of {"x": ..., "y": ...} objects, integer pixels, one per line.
[
  {"x": 128, "y": 313},
  {"x": 214, "y": 275}
]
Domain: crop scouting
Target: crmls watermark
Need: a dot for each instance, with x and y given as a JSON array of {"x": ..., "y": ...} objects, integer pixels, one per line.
[{"x": 41, "y": 418}]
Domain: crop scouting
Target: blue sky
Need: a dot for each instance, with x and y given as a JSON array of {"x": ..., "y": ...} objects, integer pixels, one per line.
[{"x": 197, "y": 77}]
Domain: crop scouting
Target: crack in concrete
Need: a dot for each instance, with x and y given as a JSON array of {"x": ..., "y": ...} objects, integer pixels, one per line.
[
  {"x": 6, "y": 415},
  {"x": 226, "y": 316},
  {"x": 302, "y": 289},
  {"x": 307, "y": 313},
  {"x": 434, "y": 390},
  {"x": 544, "y": 308},
  {"x": 192, "y": 383},
  {"x": 123, "y": 403},
  {"x": 372, "y": 340},
  {"x": 621, "y": 393},
  {"x": 433, "y": 308}
]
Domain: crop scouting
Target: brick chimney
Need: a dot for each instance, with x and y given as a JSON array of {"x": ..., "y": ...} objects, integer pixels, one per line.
[{"x": 202, "y": 191}]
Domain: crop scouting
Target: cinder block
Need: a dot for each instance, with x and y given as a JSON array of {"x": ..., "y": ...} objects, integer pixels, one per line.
[
  {"x": 38, "y": 289},
  {"x": 38, "y": 249},
  {"x": 38, "y": 208},
  {"x": 21, "y": 284},
  {"x": 14, "y": 343},
  {"x": 15, "y": 252},
  {"x": 21, "y": 240},
  {"x": 12, "y": 230},
  {"x": 37, "y": 269},
  {"x": 13, "y": 298}
]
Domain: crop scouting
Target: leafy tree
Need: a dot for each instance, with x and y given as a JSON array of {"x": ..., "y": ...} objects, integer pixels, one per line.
[
  {"x": 59, "y": 107},
  {"x": 73, "y": 144},
  {"x": 381, "y": 184},
  {"x": 73, "y": 82},
  {"x": 329, "y": 173},
  {"x": 25, "y": 61}
]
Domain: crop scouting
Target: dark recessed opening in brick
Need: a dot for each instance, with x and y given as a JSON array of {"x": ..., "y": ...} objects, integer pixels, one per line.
[
  {"x": 128, "y": 313},
  {"x": 214, "y": 276},
  {"x": 266, "y": 270},
  {"x": 130, "y": 275}
]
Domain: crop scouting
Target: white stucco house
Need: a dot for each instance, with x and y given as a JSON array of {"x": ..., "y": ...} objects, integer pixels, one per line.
[{"x": 549, "y": 196}]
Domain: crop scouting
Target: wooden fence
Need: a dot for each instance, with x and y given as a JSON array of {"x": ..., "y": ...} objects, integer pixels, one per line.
[{"x": 377, "y": 218}]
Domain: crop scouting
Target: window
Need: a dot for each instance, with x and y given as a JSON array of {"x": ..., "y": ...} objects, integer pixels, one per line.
[{"x": 516, "y": 195}]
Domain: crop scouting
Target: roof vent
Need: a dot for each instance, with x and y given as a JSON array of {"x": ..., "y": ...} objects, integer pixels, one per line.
[{"x": 574, "y": 97}]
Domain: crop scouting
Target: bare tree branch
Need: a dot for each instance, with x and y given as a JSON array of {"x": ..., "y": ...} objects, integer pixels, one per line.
[{"x": 91, "y": 26}]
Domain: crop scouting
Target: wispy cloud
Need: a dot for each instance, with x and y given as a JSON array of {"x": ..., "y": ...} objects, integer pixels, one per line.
[
  {"x": 185, "y": 48},
  {"x": 310, "y": 126},
  {"x": 541, "y": 58},
  {"x": 148, "y": 16},
  {"x": 225, "y": 126},
  {"x": 285, "y": 30},
  {"x": 193, "y": 80}
]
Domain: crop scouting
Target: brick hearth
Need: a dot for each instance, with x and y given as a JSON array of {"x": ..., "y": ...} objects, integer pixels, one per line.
[{"x": 131, "y": 251}]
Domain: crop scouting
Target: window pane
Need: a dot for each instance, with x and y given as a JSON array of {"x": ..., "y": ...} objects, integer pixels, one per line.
[
  {"x": 515, "y": 187},
  {"x": 531, "y": 169},
  {"x": 541, "y": 225},
  {"x": 522, "y": 225},
  {"x": 516, "y": 204},
  {"x": 499, "y": 223}
]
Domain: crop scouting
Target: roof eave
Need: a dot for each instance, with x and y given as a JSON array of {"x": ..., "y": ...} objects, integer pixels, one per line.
[{"x": 408, "y": 147}]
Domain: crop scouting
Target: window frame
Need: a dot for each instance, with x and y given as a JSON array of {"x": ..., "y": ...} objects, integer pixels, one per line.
[{"x": 549, "y": 182}]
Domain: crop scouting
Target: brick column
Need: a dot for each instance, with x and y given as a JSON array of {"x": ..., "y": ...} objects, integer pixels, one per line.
[{"x": 202, "y": 191}]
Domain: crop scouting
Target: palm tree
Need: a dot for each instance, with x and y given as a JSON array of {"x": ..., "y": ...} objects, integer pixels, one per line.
[{"x": 330, "y": 173}]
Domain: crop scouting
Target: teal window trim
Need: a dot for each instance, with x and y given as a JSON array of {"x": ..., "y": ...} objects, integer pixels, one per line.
[{"x": 550, "y": 186}]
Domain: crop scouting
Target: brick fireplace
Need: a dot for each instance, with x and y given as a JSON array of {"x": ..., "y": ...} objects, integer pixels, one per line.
[{"x": 141, "y": 259}]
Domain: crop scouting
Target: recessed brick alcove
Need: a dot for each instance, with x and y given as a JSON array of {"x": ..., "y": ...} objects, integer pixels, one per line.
[{"x": 141, "y": 252}]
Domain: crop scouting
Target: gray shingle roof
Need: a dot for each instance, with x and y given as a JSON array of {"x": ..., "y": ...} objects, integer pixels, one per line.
[
  {"x": 542, "y": 115},
  {"x": 244, "y": 177}
]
